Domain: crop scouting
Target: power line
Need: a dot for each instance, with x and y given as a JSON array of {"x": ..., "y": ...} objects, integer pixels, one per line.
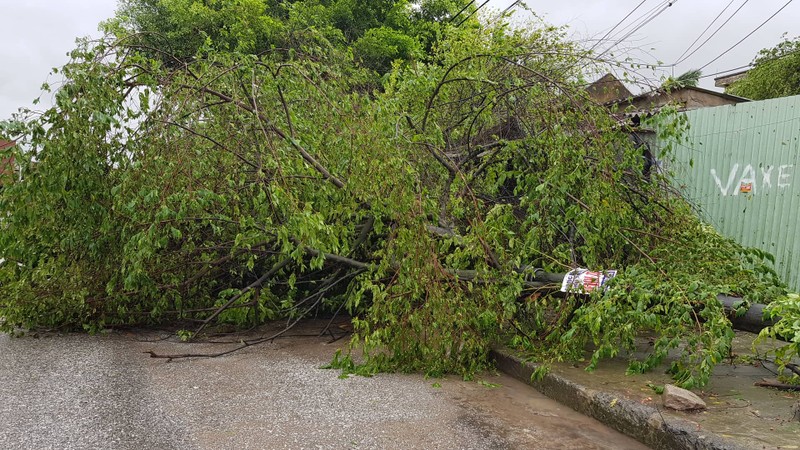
[
  {"x": 513, "y": 5},
  {"x": 503, "y": 13},
  {"x": 712, "y": 34},
  {"x": 473, "y": 12},
  {"x": 618, "y": 24},
  {"x": 762, "y": 61},
  {"x": 707, "y": 28},
  {"x": 461, "y": 10},
  {"x": 637, "y": 21},
  {"x": 748, "y": 35},
  {"x": 726, "y": 71},
  {"x": 649, "y": 19}
]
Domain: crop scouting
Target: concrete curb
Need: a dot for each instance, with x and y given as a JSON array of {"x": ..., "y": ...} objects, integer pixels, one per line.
[{"x": 641, "y": 422}]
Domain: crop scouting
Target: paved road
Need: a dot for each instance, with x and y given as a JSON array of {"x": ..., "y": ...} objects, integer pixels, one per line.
[{"x": 103, "y": 392}]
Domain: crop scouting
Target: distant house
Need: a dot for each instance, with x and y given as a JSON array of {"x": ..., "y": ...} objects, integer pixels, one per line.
[
  {"x": 630, "y": 109},
  {"x": 609, "y": 91},
  {"x": 685, "y": 98},
  {"x": 727, "y": 80},
  {"x": 6, "y": 164}
]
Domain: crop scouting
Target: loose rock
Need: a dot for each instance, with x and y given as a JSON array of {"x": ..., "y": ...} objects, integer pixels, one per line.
[{"x": 681, "y": 399}]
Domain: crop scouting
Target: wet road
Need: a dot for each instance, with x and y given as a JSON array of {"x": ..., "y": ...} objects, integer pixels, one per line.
[{"x": 103, "y": 392}]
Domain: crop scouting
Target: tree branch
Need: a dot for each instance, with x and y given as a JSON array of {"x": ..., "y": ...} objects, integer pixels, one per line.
[
  {"x": 244, "y": 291},
  {"x": 303, "y": 152}
]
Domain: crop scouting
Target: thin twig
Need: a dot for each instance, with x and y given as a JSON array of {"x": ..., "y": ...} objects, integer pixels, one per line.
[
  {"x": 244, "y": 345},
  {"x": 777, "y": 385},
  {"x": 244, "y": 291}
]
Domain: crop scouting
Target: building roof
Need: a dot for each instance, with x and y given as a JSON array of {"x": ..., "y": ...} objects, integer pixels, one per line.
[
  {"x": 6, "y": 144},
  {"x": 687, "y": 98},
  {"x": 6, "y": 164},
  {"x": 608, "y": 89},
  {"x": 728, "y": 79},
  {"x": 660, "y": 92}
]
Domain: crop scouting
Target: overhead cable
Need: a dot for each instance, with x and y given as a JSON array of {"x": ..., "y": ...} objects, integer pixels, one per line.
[
  {"x": 762, "y": 61},
  {"x": 711, "y": 36},
  {"x": 726, "y": 71},
  {"x": 649, "y": 19},
  {"x": 748, "y": 35},
  {"x": 513, "y": 5},
  {"x": 707, "y": 28},
  {"x": 472, "y": 13},
  {"x": 618, "y": 24},
  {"x": 638, "y": 20},
  {"x": 461, "y": 10}
]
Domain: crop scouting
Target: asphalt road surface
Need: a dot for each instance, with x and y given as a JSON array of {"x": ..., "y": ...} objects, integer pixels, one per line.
[{"x": 103, "y": 392}]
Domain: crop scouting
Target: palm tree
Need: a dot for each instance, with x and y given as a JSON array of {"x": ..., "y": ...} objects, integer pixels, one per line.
[{"x": 686, "y": 79}]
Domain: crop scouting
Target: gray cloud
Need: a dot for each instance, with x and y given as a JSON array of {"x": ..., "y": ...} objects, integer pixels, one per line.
[{"x": 37, "y": 35}]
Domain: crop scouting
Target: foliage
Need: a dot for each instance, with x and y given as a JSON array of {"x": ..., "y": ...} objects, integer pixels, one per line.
[
  {"x": 786, "y": 311},
  {"x": 379, "y": 47},
  {"x": 240, "y": 187},
  {"x": 355, "y": 17},
  {"x": 671, "y": 292},
  {"x": 775, "y": 73},
  {"x": 181, "y": 27},
  {"x": 687, "y": 79},
  {"x": 380, "y": 31}
]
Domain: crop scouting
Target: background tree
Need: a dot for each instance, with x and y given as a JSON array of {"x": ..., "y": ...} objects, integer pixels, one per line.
[
  {"x": 775, "y": 73},
  {"x": 379, "y": 47},
  {"x": 380, "y": 31},
  {"x": 180, "y": 28}
]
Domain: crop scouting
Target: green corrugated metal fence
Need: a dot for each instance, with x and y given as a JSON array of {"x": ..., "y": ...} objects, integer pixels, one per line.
[{"x": 744, "y": 175}]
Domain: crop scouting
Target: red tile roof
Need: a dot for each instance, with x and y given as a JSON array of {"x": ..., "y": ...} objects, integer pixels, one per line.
[{"x": 6, "y": 164}]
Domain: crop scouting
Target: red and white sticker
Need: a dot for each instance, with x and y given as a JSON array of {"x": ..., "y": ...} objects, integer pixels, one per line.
[{"x": 585, "y": 281}]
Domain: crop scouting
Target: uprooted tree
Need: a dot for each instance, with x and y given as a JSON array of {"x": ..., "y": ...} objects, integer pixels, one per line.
[{"x": 239, "y": 188}]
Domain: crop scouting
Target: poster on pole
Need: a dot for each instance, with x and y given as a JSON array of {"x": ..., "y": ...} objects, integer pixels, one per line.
[{"x": 585, "y": 281}]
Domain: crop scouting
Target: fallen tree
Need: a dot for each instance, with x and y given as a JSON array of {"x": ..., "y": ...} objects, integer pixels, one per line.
[{"x": 239, "y": 188}]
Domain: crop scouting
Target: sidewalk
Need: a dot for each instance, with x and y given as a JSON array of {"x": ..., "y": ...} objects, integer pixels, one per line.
[{"x": 739, "y": 416}]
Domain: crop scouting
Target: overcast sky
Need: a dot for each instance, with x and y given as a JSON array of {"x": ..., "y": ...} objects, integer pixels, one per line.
[{"x": 37, "y": 34}]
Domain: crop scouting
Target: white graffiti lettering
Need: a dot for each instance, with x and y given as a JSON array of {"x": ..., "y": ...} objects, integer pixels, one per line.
[
  {"x": 748, "y": 181},
  {"x": 766, "y": 176},
  {"x": 731, "y": 177},
  {"x": 784, "y": 174}
]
